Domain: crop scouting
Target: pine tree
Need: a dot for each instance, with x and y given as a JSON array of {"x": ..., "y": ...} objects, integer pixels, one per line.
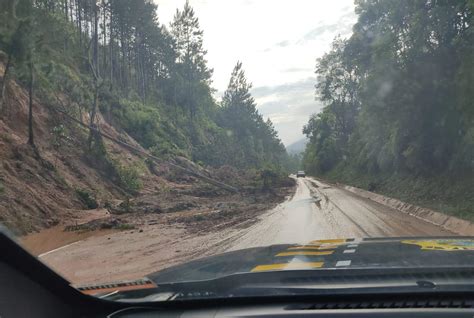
[
  {"x": 191, "y": 65},
  {"x": 255, "y": 141}
]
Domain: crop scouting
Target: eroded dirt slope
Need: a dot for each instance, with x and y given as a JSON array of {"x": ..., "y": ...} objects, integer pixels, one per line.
[
  {"x": 45, "y": 188},
  {"x": 39, "y": 187}
]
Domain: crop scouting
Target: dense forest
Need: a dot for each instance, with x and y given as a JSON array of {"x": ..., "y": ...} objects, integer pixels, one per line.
[
  {"x": 399, "y": 103},
  {"x": 114, "y": 58}
]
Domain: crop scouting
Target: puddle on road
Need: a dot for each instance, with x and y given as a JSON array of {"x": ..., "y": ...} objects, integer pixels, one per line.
[{"x": 56, "y": 236}]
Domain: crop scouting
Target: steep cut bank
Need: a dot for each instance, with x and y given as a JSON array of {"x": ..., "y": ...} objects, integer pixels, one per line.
[
  {"x": 63, "y": 184},
  {"x": 60, "y": 179},
  {"x": 115, "y": 69},
  {"x": 446, "y": 193}
]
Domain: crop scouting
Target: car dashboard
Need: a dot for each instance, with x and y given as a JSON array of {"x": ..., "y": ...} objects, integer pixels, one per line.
[{"x": 28, "y": 288}]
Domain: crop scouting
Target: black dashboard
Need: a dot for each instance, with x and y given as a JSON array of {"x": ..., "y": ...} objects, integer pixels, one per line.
[
  {"x": 28, "y": 288},
  {"x": 279, "y": 311}
]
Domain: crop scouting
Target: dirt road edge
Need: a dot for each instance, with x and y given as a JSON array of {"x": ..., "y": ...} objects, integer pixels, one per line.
[{"x": 450, "y": 223}]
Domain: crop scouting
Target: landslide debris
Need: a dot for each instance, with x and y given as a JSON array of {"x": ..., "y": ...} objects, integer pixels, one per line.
[{"x": 64, "y": 183}]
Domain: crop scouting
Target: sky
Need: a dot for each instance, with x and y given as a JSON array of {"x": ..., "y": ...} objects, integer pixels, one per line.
[{"x": 278, "y": 42}]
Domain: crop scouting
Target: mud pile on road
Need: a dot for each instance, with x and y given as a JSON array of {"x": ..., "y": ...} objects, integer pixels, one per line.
[
  {"x": 63, "y": 182},
  {"x": 62, "y": 191},
  {"x": 194, "y": 204}
]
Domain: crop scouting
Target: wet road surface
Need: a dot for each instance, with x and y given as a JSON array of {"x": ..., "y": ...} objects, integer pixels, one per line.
[
  {"x": 317, "y": 211},
  {"x": 320, "y": 211}
]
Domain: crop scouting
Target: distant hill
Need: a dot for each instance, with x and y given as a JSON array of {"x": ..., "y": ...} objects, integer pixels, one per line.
[{"x": 297, "y": 147}]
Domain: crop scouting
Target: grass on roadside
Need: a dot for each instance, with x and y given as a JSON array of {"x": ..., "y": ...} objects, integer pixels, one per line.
[{"x": 445, "y": 193}]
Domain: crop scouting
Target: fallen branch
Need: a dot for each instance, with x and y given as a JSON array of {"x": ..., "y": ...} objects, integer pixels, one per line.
[{"x": 154, "y": 158}]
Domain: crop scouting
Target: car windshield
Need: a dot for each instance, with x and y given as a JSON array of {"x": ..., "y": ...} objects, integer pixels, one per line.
[{"x": 209, "y": 148}]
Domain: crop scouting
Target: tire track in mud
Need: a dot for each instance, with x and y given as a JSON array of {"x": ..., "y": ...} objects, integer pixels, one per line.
[
  {"x": 315, "y": 211},
  {"x": 372, "y": 218},
  {"x": 350, "y": 219},
  {"x": 315, "y": 188}
]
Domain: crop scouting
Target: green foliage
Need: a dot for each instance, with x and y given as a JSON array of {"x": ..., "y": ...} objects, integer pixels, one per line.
[
  {"x": 270, "y": 177},
  {"x": 87, "y": 198},
  {"x": 399, "y": 113},
  {"x": 152, "y": 83},
  {"x": 124, "y": 227},
  {"x": 247, "y": 140},
  {"x": 396, "y": 92},
  {"x": 59, "y": 136},
  {"x": 192, "y": 75},
  {"x": 294, "y": 162},
  {"x": 2, "y": 188},
  {"x": 98, "y": 150},
  {"x": 141, "y": 121},
  {"x": 130, "y": 177},
  {"x": 445, "y": 192},
  {"x": 125, "y": 206}
]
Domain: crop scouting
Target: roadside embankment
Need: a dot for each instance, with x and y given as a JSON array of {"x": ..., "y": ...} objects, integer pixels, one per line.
[{"x": 450, "y": 223}]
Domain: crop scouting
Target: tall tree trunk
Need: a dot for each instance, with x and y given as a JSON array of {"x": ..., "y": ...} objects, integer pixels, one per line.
[
  {"x": 144, "y": 78},
  {"x": 111, "y": 47},
  {"x": 111, "y": 57},
  {"x": 124, "y": 61},
  {"x": 4, "y": 81},
  {"x": 31, "y": 140},
  {"x": 71, "y": 9},
  {"x": 66, "y": 14},
  {"x": 93, "y": 114},
  {"x": 95, "y": 74},
  {"x": 104, "y": 40},
  {"x": 96, "y": 40},
  {"x": 129, "y": 66},
  {"x": 66, "y": 10},
  {"x": 79, "y": 21}
]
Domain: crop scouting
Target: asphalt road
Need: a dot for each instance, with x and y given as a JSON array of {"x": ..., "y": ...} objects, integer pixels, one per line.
[
  {"x": 317, "y": 211},
  {"x": 320, "y": 211}
]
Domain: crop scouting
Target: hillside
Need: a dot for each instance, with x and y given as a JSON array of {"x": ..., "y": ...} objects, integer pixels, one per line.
[
  {"x": 297, "y": 147},
  {"x": 41, "y": 187},
  {"x": 398, "y": 115},
  {"x": 61, "y": 183},
  {"x": 60, "y": 75}
]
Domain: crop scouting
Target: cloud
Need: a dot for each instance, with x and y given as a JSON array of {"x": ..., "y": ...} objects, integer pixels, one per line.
[
  {"x": 289, "y": 106},
  {"x": 283, "y": 43},
  {"x": 317, "y": 32},
  {"x": 343, "y": 27},
  {"x": 297, "y": 70},
  {"x": 300, "y": 86},
  {"x": 277, "y": 46}
]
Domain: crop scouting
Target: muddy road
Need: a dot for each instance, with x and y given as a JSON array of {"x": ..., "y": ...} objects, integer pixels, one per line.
[
  {"x": 316, "y": 211},
  {"x": 321, "y": 211}
]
